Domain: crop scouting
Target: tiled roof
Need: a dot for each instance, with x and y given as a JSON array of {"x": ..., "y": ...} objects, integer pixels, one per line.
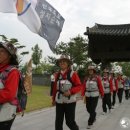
[
  {"x": 109, "y": 42},
  {"x": 118, "y": 30}
]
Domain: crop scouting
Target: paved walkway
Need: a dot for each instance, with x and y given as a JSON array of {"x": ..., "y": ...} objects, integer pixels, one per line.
[{"x": 44, "y": 119}]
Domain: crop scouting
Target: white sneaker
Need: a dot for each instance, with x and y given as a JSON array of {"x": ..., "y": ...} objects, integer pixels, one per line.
[
  {"x": 89, "y": 126},
  {"x": 103, "y": 113}
]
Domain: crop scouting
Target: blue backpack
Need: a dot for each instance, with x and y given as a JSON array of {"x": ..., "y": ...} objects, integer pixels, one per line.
[{"x": 21, "y": 97}]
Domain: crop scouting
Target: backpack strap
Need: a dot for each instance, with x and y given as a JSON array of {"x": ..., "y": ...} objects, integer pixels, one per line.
[
  {"x": 69, "y": 76},
  {"x": 58, "y": 78},
  {"x": 5, "y": 73}
]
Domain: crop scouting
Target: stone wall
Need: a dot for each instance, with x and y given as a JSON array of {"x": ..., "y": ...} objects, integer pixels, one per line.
[{"x": 41, "y": 79}]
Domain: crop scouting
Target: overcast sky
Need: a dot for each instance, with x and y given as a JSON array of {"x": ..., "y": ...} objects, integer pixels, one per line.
[{"x": 78, "y": 15}]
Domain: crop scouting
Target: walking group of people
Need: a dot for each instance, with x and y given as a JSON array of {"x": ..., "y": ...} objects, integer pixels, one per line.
[{"x": 67, "y": 85}]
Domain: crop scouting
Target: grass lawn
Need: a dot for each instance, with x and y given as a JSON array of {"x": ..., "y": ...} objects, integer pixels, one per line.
[{"x": 39, "y": 98}]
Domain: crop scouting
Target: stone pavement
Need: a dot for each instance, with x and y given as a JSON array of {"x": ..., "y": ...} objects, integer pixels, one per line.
[{"x": 118, "y": 119}]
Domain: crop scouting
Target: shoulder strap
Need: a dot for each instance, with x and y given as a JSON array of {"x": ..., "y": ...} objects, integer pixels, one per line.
[
  {"x": 69, "y": 76},
  {"x": 5, "y": 73}
]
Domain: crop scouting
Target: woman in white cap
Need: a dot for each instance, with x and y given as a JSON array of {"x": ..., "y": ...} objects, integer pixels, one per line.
[
  {"x": 92, "y": 88},
  {"x": 67, "y": 85},
  {"x": 8, "y": 84}
]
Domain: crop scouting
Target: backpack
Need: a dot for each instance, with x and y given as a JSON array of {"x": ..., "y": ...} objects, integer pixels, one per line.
[
  {"x": 21, "y": 96},
  {"x": 69, "y": 75}
]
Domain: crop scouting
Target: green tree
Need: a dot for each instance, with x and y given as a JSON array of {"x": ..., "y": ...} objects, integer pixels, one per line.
[
  {"x": 36, "y": 56},
  {"x": 54, "y": 67},
  {"x": 52, "y": 60},
  {"x": 46, "y": 67},
  {"x": 77, "y": 49},
  {"x": 125, "y": 67},
  {"x": 23, "y": 68}
]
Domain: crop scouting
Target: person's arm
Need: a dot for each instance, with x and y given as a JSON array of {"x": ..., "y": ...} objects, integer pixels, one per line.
[
  {"x": 8, "y": 93},
  {"x": 111, "y": 85},
  {"x": 100, "y": 86},
  {"x": 83, "y": 88},
  {"x": 76, "y": 84}
]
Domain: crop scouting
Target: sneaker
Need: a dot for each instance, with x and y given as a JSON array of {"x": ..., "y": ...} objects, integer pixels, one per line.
[
  {"x": 89, "y": 126},
  {"x": 112, "y": 107},
  {"x": 103, "y": 113}
]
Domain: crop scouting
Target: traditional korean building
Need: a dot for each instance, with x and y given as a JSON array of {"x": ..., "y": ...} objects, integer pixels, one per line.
[{"x": 109, "y": 43}]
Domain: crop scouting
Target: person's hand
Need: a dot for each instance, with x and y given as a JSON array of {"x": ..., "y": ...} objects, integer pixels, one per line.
[
  {"x": 53, "y": 103},
  {"x": 67, "y": 93},
  {"x": 102, "y": 97}
]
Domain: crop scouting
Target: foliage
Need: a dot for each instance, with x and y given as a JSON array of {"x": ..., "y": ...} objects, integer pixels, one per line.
[
  {"x": 52, "y": 60},
  {"x": 23, "y": 68},
  {"x": 77, "y": 49},
  {"x": 54, "y": 67},
  {"x": 125, "y": 67},
  {"x": 36, "y": 55},
  {"x": 46, "y": 67}
]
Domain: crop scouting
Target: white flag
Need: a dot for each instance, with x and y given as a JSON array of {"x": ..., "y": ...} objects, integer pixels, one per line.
[
  {"x": 38, "y": 15},
  {"x": 8, "y": 6}
]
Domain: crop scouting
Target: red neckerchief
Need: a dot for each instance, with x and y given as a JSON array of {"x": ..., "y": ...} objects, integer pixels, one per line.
[
  {"x": 3, "y": 67},
  {"x": 105, "y": 78},
  {"x": 64, "y": 75}
]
